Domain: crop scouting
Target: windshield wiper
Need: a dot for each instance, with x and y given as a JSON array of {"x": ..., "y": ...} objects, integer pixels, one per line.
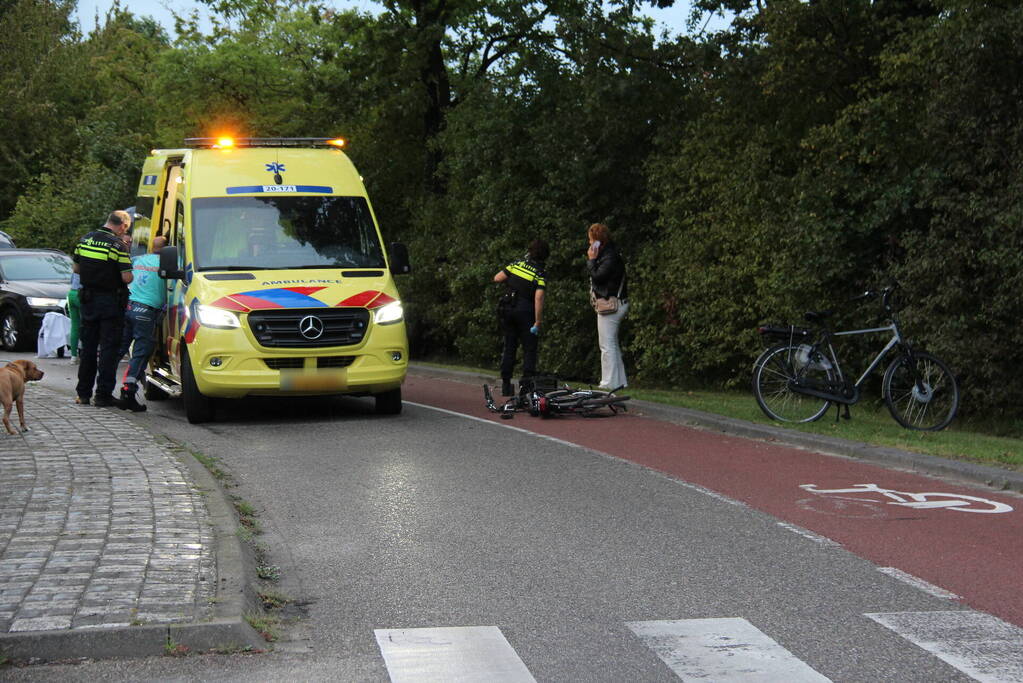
[{"x": 205, "y": 268}]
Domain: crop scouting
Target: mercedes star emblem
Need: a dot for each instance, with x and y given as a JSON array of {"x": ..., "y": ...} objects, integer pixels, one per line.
[{"x": 311, "y": 327}]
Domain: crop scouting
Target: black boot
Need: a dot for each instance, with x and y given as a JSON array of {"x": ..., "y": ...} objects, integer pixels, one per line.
[
  {"x": 506, "y": 388},
  {"x": 129, "y": 402}
]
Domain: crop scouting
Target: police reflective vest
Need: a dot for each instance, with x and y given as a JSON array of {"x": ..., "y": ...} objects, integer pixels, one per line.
[
  {"x": 524, "y": 278},
  {"x": 101, "y": 258}
]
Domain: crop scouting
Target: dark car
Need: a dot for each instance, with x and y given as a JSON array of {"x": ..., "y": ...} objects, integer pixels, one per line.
[
  {"x": 33, "y": 282},
  {"x": 6, "y": 241}
]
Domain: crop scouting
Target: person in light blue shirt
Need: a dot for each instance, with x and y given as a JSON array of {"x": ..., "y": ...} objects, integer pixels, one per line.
[{"x": 147, "y": 297}]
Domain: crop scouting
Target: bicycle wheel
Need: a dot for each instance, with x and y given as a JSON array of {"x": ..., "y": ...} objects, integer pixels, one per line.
[
  {"x": 773, "y": 371},
  {"x": 928, "y": 407},
  {"x": 612, "y": 403},
  {"x": 565, "y": 402}
]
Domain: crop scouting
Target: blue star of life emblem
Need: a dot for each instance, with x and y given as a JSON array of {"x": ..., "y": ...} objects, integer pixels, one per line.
[{"x": 275, "y": 167}]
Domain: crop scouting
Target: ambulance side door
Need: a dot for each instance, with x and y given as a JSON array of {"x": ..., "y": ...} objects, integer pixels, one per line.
[
  {"x": 169, "y": 211},
  {"x": 177, "y": 312}
]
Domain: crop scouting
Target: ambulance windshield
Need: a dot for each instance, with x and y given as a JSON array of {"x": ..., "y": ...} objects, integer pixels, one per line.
[{"x": 284, "y": 232}]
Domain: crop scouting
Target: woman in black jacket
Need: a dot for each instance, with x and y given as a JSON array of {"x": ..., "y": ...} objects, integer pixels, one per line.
[{"x": 607, "y": 279}]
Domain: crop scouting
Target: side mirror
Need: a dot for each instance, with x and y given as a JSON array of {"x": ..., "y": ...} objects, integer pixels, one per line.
[
  {"x": 398, "y": 254},
  {"x": 169, "y": 264}
]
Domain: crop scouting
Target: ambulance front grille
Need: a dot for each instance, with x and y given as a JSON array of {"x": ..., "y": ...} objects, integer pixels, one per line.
[
  {"x": 309, "y": 327},
  {"x": 299, "y": 363}
]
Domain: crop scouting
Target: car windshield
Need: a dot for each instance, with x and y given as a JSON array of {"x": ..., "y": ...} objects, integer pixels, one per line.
[
  {"x": 281, "y": 232},
  {"x": 52, "y": 267}
]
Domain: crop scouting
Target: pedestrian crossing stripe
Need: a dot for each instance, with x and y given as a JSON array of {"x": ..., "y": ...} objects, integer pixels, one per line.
[
  {"x": 462, "y": 653},
  {"x": 722, "y": 650},
  {"x": 980, "y": 645}
]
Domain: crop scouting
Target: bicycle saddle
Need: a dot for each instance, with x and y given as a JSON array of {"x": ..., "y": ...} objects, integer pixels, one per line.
[{"x": 817, "y": 316}]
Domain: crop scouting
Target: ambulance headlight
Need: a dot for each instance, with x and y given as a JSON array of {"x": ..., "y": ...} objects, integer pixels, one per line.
[
  {"x": 218, "y": 318},
  {"x": 391, "y": 313}
]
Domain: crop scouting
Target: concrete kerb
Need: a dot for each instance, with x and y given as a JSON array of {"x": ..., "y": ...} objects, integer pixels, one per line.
[
  {"x": 226, "y": 631},
  {"x": 920, "y": 463},
  {"x": 235, "y": 595}
]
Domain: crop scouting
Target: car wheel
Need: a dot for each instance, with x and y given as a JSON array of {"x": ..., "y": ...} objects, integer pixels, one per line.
[{"x": 12, "y": 334}]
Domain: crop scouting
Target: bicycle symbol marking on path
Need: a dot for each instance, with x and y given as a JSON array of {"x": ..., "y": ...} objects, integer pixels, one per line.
[{"x": 918, "y": 501}]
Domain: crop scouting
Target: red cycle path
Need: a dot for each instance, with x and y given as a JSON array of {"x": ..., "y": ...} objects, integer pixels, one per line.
[{"x": 974, "y": 555}]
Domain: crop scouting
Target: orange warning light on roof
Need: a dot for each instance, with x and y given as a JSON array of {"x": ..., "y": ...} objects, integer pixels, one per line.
[
  {"x": 337, "y": 142},
  {"x": 224, "y": 143}
]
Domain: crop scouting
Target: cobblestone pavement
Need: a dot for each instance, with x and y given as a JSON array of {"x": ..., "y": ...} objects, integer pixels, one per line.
[{"x": 100, "y": 527}]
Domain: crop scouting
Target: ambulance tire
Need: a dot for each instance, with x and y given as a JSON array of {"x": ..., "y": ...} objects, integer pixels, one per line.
[
  {"x": 198, "y": 408},
  {"x": 389, "y": 402}
]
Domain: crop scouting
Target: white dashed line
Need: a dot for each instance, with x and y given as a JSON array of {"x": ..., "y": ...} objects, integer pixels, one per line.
[{"x": 918, "y": 583}]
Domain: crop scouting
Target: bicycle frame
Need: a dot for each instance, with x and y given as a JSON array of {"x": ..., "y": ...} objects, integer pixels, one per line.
[
  {"x": 826, "y": 335},
  {"x": 896, "y": 340}
]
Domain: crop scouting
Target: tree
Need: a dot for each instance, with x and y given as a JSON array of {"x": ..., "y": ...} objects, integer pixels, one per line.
[
  {"x": 551, "y": 142},
  {"x": 88, "y": 161},
  {"x": 41, "y": 91}
]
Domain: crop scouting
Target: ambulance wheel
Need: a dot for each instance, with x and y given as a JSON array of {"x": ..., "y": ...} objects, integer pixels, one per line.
[
  {"x": 389, "y": 402},
  {"x": 198, "y": 408}
]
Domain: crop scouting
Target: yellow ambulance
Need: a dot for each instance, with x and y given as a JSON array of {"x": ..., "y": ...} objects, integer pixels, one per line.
[{"x": 278, "y": 282}]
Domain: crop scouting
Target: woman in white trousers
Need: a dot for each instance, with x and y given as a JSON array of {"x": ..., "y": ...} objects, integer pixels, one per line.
[
  {"x": 607, "y": 279},
  {"x": 612, "y": 369}
]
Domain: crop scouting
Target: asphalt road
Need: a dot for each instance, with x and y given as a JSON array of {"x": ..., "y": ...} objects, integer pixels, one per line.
[{"x": 433, "y": 519}]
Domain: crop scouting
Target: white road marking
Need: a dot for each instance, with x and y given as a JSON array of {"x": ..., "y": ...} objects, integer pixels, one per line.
[
  {"x": 460, "y": 653},
  {"x": 498, "y": 424},
  {"x": 930, "y": 500},
  {"x": 918, "y": 583},
  {"x": 980, "y": 645},
  {"x": 722, "y": 650},
  {"x": 713, "y": 494},
  {"x": 806, "y": 533},
  {"x": 696, "y": 487}
]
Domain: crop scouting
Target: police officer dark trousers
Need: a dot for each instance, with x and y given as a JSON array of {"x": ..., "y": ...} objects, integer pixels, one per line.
[
  {"x": 521, "y": 317},
  {"x": 105, "y": 270}
]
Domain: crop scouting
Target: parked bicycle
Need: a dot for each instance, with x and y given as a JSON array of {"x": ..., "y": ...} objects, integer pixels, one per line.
[{"x": 800, "y": 377}]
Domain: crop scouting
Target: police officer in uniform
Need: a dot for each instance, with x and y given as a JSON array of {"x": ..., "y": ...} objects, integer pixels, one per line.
[
  {"x": 101, "y": 260},
  {"x": 522, "y": 311}
]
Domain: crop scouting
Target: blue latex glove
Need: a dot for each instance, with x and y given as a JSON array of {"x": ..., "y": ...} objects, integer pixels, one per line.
[{"x": 534, "y": 329}]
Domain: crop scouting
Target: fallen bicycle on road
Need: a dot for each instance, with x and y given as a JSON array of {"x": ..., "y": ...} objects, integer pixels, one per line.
[{"x": 563, "y": 400}]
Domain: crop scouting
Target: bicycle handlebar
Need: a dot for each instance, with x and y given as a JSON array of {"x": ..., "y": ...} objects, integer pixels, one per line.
[
  {"x": 886, "y": 298},
  {"x": 869, "y": 294},
  {"x": 886, "y": 295}
]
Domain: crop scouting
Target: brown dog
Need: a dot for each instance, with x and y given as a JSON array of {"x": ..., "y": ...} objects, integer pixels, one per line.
[{"x": 12, "y": 389}]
